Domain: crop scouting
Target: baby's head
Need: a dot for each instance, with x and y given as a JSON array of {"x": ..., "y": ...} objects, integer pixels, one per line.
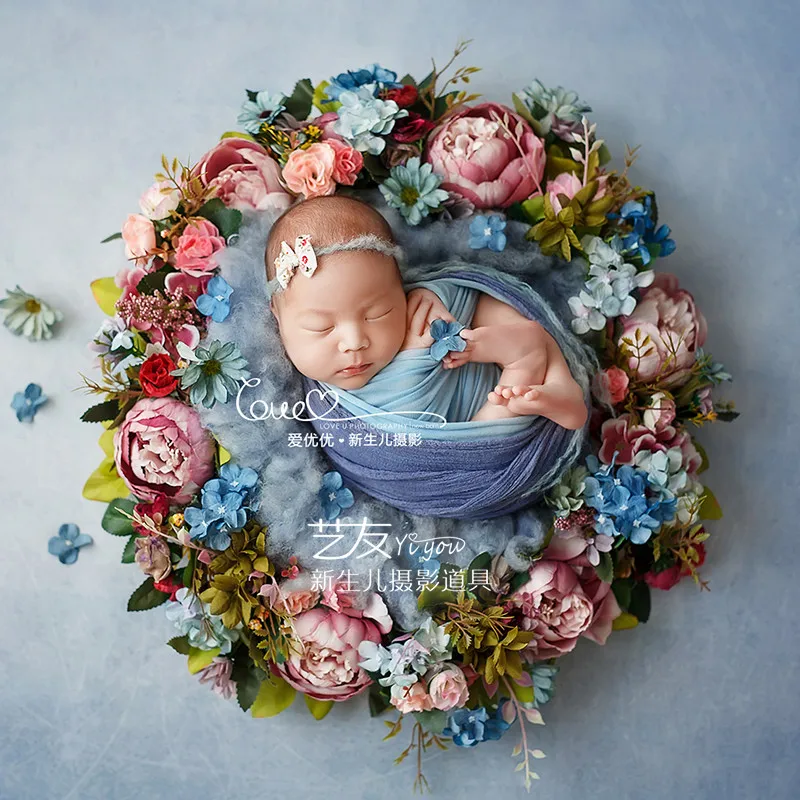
[{"x": 352, "y": 310}]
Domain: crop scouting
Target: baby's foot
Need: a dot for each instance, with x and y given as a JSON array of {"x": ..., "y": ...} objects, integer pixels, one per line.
[{"x": 522, "y": 400}]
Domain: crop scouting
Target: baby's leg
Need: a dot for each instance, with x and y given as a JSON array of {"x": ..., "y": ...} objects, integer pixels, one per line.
[{"x": 501, "y": 335}]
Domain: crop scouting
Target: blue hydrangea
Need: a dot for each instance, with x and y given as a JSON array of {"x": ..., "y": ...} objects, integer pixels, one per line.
[
  {"x": 26, "y": 403},
  {"x": 68, "y": 542},
  {"x": 265, "y": 107},
  {"x": 468, "y": 727},
  {"x": 487, "y": 232},
  {"x": 446, "y": 338},
  {"x": 623, "y": 506},
  {"x": 643, "y": 233},
  {"x": 215, "y": 303},
  {"x": 413, "y": 189},
  {"x": 373, "y": 76},
  {"x": 365, "y": 119},
  {"x": 334, "y": 496},
  {"x": 193, "y": 619}
]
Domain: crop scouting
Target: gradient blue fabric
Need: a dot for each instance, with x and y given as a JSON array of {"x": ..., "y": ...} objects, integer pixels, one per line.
[{"x": 482, "y": 469}]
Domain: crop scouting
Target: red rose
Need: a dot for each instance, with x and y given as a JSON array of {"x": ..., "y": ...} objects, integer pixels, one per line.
[
  {"x": 157, "y": 511},
  {"x": 667, "y": 578},
  {"x": 170, "y": 585},
  {"x": 155, "y": 375},
  {"x": 411, "y": 128},
  {"x": 404, "y": 96}
]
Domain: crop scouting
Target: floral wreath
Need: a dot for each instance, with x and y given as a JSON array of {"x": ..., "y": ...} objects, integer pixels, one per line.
[{"x": 628, "y": 519}]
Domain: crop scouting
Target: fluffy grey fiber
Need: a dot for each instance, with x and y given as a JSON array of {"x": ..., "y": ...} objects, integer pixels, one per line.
[{"x": 291, "y": 477}]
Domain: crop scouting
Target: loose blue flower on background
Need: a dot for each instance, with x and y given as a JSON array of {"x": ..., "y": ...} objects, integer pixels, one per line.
[
  {"x": 215, "y": 302},
  {"x": 334, "y": 496},
  {"x": 487, "y": 232},
  {"x": 26, "y": 404},
  {"x": 446, "y": 338},
  {"x": 68, "y": 542}
]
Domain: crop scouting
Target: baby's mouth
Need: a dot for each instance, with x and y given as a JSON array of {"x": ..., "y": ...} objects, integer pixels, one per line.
[{"x": 355, "y": 370}]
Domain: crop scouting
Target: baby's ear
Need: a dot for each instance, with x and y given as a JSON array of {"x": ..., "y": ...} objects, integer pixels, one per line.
[{"x": 274, "y": 312}]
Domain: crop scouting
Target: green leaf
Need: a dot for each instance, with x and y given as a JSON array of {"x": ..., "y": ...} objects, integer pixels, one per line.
[
  {"x": 710, "y": 507},
  {"x": 622, "y": 591},
  {"x": 377, "y": 702},
  {"x": 274, "y": 696},
  {"x": 299, "y": 104},
  {"x": 152, "y": 282},
  {"x": 523, "y": 110},
  {"x": 605, "y": 569},
  {"x": 247, "y": 677},
  {"x": 481, "y": 561},
  {"x": 433, "y": 721},
  {"x": 318, "y": 708},
  {"x": 640, "y": 601},
  {"x": 227, "y": 220},
  {"x": 129, "y": 550},
  {"x": 102, "y": 412},
  {"x": 604, "y": 154},
  {"x": 425, "y": 82},
  {"x": 105, "y": 484},
  {"x": 407, "y": 80},
  {"x": 106, "y": 293},
  {"x": 703, "y": 456},
  {"x": 320, "y": 95},
  {"x": 624, "y": 622},
  {"x": 252, "y": 96},
  {"x": 430, "y": 598},
  {"x": 180, "y": 644},
  {"x": 200, "y": 659},
  {"x": 111, "y": 238},
  {"x": 115, "y": 523},
  {"x": 146, "y": 597},
  {"x": 524, "y": 694},
  {"x": 533, "y": 209}
]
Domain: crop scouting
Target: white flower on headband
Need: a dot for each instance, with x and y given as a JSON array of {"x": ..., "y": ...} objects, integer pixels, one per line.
[{"x": 302, "y": 257}]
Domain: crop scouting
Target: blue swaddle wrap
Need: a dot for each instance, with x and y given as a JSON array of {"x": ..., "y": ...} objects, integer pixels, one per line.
[
  {"x": 463, "y": 469},
  {"x": 414, "y": 382}
]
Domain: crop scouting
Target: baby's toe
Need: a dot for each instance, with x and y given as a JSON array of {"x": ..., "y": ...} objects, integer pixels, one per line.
[{"x": 497, "y": 399}]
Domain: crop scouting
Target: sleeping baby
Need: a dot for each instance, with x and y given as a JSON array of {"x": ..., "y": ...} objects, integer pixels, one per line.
[{"x": 344, "y": 317}]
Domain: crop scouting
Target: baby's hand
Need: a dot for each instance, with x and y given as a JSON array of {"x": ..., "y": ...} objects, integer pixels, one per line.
[{"x": 423, "y": 307}]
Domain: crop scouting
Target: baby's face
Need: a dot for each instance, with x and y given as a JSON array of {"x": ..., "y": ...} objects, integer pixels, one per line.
[{"x": 351, "y": 311}]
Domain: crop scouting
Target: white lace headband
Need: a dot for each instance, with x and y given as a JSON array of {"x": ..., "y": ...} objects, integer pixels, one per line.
[{"x": 304, "y": 256}]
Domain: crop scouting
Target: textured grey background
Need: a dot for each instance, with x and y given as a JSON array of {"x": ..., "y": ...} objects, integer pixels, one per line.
[{"x": 699, "y": 703}]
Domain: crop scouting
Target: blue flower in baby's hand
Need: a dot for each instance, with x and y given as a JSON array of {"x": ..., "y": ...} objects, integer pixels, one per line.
[
  {"x": 26, "y": 404},
  {"x": 215, "y": 302},
  {"x": 487, "y": 232},
  {"x": 67, "y": 543},
  {"x": 446, "y": 338},
  {"x": 334, "y": 496}
]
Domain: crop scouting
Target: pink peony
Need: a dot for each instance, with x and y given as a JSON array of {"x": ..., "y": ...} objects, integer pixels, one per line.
[
  {"x": 610, "y": 385},
  {"x": 569, "y": 184},
  {"x": 324, "y": 665},
  {"x": 258, "y": 187},
  {"x": 563, "y": 599},
  {"x": 193, "y": 285},
  {"x": 411, "y": 698},
  {"x": 309, "y": 172},
  {"x": 448, "y": 688},
  {"x": 622, "y": 437},
  {"x": 478, "y": 160},
  {"x": 139, "y": 236},
  {"x": 162, "y": 449},
  {"x": 676, "y": 327},
  {"x": 197, "y": 246},
  {"x": 357, "y": 604}
]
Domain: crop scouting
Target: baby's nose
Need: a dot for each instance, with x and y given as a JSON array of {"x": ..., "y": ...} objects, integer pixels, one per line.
[{"x": 353, "y": 338}]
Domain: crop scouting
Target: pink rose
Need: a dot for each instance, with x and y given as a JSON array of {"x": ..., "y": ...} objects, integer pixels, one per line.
[
  {"x": 348, "y": 162},
  {"x": 622, "y": 437},
  {"x": 324, "y": 665},
  {"x": 309, "y": 172},
  {"x": 448, "y": 688},
  {"x": 660, "y": 412},
  {"x": 610, "y": 386},
  {"x": 197, "y": 246},
  {"x": 676, "y": 327},
  {"x": 569, "y": 184},
  {"x": 162, "y": 449},
  {"x": 563, "y": 599},
  {"x": 479, "y": 161},
  {"x": 411, "y": 698},
  {"x": 139, "y": 236},
  {"x": 192, "y": 285}
]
